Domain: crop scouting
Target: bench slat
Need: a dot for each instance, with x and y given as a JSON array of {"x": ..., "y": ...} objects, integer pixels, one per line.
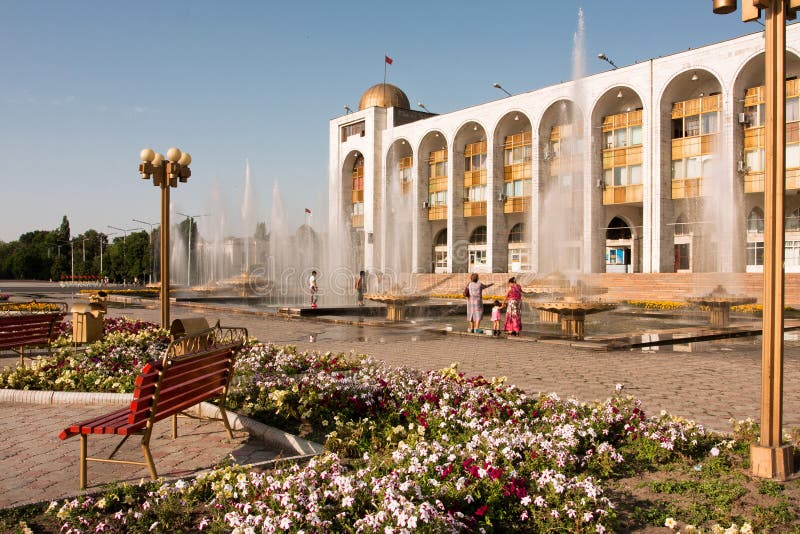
[{"x": 203, "y": 386}]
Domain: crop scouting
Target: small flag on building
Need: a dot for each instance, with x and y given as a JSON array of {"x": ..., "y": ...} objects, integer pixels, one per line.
[
  {"x": 308, "y": 211},
  {"x": 388, "y": 60}
]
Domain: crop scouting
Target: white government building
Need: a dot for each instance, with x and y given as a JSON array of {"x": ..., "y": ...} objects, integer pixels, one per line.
[{"x": 652, "y": 167}]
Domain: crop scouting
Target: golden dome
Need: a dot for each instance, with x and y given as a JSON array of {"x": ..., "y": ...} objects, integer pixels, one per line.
[{"x": 384, "y": 95}]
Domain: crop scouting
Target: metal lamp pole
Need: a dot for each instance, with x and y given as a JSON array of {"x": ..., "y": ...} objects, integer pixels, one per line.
[
  {"x": 152, "y": 256},
  {"x": 165, "y": 174},
  {"x": 770, "y": 458}
]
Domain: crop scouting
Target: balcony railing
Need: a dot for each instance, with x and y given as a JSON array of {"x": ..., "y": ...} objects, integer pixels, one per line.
[
  {"x": 475, "y": 209},
  {"x": 624, "y": 194},
  {"x": 754, "y": 181},
  {"x": 687, "y": 188},
  {"x": 517, "y": 204},
  {"x": 437, "y": 213}
]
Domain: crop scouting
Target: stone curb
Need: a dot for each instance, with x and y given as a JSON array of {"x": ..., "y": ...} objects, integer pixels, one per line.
[{"x": 268, "y": 435}]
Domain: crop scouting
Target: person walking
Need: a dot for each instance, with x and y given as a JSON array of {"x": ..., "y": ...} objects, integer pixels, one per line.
[
  {"x": 361, "y": 287},
  {"x": 312, "y": 287},
  {"x": 513, "y": 306},
  {"x": 474, "y": 294}
]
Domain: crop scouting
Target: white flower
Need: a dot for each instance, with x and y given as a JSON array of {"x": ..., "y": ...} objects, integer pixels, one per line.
[
  {"x": 619, "y": 387},
  {"x": 690, "y": 529},
  {"x": 670, "y": 523},
  {"x": 747, "y": 528},
  {"x": 733, "y": 529},
  {"x": 714, "y": 451}
]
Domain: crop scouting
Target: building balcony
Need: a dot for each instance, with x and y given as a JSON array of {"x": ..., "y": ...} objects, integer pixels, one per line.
[
  {"x": 437, "y": 213},
  {"x": 754, "y": 181},
  {"x": 693, "y": 146},
  {"x": 517, "y": 204},
  {"x": 357, "y": 196},
  {"x": 625, "y": 194},
  {"x": 357, "y": 221},
  {"x": 475, "y": 209},
  {"x": 687, "y": 188},
  {"x": 517, "y": 171}
]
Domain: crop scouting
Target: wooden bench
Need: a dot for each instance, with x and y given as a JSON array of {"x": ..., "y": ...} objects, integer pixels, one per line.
[
  {"x": 20, "y": 330},
  {"x": 164, "y": 389}
]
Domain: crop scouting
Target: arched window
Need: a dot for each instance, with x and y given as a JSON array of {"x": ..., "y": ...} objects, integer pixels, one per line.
[
  {"x": 755, "y": 221},
  {"x": 792, "y": 221},
  {"x": 682, "y": 225},
  {"x": 517, "y": 234},
  {"x": 518, "y": 249},
  {"x": 478, "y": 236},
  {"x": 358, "y": 192},
  {"x": 441, "y": 239},
  {"x": 440, "y": 252},
  {"x": 618, "y": 229}
]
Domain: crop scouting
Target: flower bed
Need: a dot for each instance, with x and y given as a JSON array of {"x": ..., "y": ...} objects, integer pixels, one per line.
[
  {"x": 108, "y": 365},
  {"x": 29, "y": 307},
  {"x": 440, "y": 452}
]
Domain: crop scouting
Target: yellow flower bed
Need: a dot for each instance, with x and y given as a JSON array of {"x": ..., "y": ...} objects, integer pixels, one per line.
[
  {"x": 454, "y": 296},
  {"x": 28, "y": 306},
  {"x": 143, "y": 292},
  {"x": 660, "y": 305}
]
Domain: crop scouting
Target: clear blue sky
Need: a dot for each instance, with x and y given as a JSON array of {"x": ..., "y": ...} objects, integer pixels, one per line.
[{"x": 84, "y": 85}]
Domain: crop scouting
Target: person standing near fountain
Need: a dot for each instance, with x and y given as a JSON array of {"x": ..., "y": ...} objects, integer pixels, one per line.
[
  {"x": 513, "y": 305},
  {"x": 474, "y": 294},
  {"x": 312, "y": 287},
  {"x": 361, "y": 287}
]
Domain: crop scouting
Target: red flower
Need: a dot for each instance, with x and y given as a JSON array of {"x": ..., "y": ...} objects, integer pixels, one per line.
[{"x": 480, "y": 512}]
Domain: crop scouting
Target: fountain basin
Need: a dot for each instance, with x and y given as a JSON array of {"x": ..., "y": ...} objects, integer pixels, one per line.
[
  {"x": 572, "y": 313},
  {"x": 396, "y": 304},
  {"x": 719, "y": 302}
]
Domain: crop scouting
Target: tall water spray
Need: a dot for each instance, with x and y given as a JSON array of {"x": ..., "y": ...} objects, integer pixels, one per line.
[
  {"x": 249, "y": 215},
  {"x": 561, "y": 211},
  {"x": 718, "y": 212},
  {"x": 398, "y": 218}
]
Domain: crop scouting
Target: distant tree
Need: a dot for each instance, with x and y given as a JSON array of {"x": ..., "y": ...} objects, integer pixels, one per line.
[{"x": 261, "y": 231}]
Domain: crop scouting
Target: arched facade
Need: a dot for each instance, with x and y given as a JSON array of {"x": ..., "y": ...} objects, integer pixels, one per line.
[{"x": 668, "y": 146}]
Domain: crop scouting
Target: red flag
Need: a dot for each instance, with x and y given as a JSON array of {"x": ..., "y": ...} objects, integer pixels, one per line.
[
  {"x": 308, "y": 211},
  {"x": 388, "y": 60}
]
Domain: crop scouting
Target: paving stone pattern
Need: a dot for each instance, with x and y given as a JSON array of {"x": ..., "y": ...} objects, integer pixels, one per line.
[
  {"x": 36, "y": 466},
  {"x": 713, "y": 383}
]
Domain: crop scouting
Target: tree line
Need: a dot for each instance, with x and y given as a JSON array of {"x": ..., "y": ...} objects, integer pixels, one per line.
[{"x": 58, "y": 255}]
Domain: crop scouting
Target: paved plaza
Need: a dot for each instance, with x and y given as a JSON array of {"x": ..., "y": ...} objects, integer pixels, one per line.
[{"x": 711, "y": 383}]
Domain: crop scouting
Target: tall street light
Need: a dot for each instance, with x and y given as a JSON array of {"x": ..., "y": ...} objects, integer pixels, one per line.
[
  {"x": 101, "y": 252},
  {"x": 152, "y": 254},
  {"x": 165, "y": 174},
  {"x": 191, "y": 219},
  {"x": 771, "y": 458},
  {"x": 498, "y": 86},
  {"x": 601, "y": 56}
]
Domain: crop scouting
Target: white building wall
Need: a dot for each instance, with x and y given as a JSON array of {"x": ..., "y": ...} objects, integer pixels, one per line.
[{"x": 649, "y": 79}]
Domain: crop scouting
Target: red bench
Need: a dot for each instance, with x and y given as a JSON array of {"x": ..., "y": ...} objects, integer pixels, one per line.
[
  {"x": 20, "y": 330},
  {"x": 164, "y": 389}
]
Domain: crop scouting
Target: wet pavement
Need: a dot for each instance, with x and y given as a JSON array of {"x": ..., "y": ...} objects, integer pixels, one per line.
[{"x": 709, "y": 382}]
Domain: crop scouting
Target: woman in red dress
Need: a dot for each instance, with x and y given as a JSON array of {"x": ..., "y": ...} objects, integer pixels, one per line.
[{"x": 513, "y": 306}]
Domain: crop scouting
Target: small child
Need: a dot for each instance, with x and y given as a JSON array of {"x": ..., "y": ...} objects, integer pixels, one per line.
[{"x": 496, "y": 318}]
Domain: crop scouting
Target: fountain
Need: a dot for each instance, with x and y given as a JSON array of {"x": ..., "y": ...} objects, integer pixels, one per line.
[
  {"x": 560, "y": 300},
  {"x": 396, "y": 301},
  {"x": 719, "y": 302}
]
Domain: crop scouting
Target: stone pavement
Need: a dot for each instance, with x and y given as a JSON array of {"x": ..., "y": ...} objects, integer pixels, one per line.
[
  {"x": 37, "y": 466},
  {"x": 714, "y": 382}
]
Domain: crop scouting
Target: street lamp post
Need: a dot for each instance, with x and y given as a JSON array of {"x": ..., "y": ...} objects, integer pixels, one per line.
[
  {"x": 152, "y": 255},
  {"x": 770, "y": 457},
  {"x": 191, "y": 219},
  {"x": 498, "y": 86},
  {"x": 124, "y": 243},
  {"x": 165, "y": 174}
]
